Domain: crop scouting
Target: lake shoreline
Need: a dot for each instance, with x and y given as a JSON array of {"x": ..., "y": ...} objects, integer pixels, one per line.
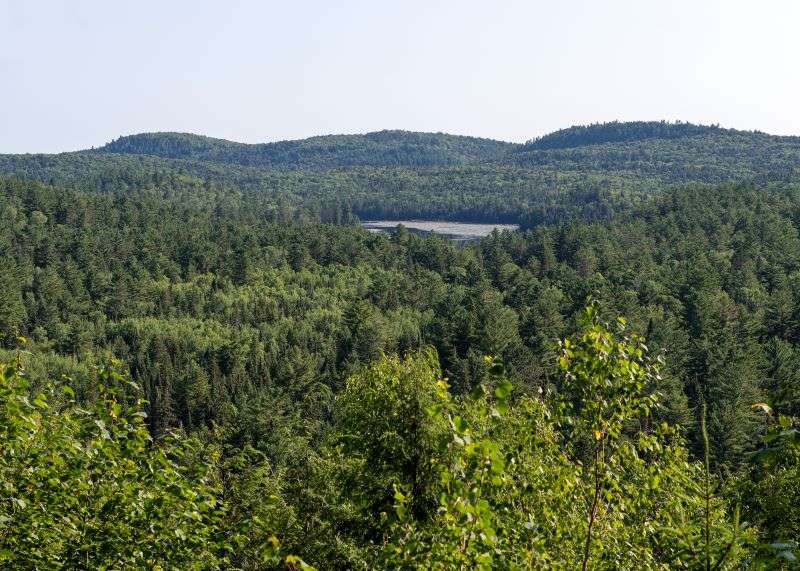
[{"x": 456, "y": 231}]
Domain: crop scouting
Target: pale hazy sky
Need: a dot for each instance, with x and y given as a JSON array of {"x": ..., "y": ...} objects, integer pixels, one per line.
[{"x": 79, "y": 73}]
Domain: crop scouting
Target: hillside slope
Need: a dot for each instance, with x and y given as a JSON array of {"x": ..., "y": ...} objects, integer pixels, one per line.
[
  {"x": 671, "y": 152},
  {"x": 383, "y": 148},
  {"x": 617, "y": 132},
  {"x": 589, "y": 172}
]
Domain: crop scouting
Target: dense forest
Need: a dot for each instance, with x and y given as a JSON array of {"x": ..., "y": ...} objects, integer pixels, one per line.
[
  {"x": 209, "y": 364},
  {"x": 587, "y": 173},
  {"x": 616, "y": 132},
  {"x": 384, "y": 148}
]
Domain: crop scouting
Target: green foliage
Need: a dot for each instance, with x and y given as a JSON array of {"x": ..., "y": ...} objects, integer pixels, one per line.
[
  {"x": 615, "y": 132},
  {"x": 383, "y": 425},
  {"x": 208, "y": 300},
  {"x": 87, "y": 488},
  {"x": 84, "y": 488},
  {"x": 514, "y": 494},
  {"x": 605, "y": 380},
  {"x": 267, "y": 335},
  {"x": 377, "y": 149},
  {"x": 772, "y": 491}
]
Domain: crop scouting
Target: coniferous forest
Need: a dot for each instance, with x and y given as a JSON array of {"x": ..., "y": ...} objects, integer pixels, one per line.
[{"x": 209, "y": 364}]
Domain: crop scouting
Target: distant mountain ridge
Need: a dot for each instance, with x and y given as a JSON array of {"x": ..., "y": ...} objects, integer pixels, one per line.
[
  {"x": 672, "y": 152},
  {"x": 382, "y": 148},
  {"x": 396, "y": 148},
  {"x": 592, "y": 172},
  {"x": 618, "y": 132}
]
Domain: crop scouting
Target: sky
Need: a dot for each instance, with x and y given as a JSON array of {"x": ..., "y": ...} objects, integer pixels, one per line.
[{"x": 79, "y": 73}]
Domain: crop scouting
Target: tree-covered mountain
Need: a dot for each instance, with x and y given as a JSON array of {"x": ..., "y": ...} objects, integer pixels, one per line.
[
  {"x": 669, "y": 153},
  {"x": 383, "y": 148},
  {"x": 460, "y": 178},
  {"x": 617, "y": 132}
]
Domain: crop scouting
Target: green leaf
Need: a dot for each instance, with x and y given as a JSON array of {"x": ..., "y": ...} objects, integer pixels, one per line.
[{"x": 503, "y": 390}]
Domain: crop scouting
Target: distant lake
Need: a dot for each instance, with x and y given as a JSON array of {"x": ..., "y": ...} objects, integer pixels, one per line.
[{"x": 457, "y": 231}]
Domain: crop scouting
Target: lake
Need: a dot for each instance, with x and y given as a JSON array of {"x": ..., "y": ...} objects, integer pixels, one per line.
[{"x": 456, "y": 231}]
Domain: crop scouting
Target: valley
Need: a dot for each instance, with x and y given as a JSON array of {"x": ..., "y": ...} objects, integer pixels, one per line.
[{"x": 255, "y": 314}]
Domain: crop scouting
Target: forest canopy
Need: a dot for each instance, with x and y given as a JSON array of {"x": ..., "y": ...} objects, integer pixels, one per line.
[{"x": 209, "y": 364}]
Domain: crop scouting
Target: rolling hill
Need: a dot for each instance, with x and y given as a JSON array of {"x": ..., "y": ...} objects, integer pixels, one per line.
[
  {"x": 383, "y": 148},
  {"x": 590, "y": 172}
]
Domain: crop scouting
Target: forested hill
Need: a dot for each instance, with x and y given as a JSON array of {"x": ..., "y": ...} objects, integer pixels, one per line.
[
  {"x": 591, "y": 173},
  {"x": 618, "y": 132},
  {"x": 658, "y": 147},
  {"x": 672, "y": 152},
  {"x": 383, "y": 148}
]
